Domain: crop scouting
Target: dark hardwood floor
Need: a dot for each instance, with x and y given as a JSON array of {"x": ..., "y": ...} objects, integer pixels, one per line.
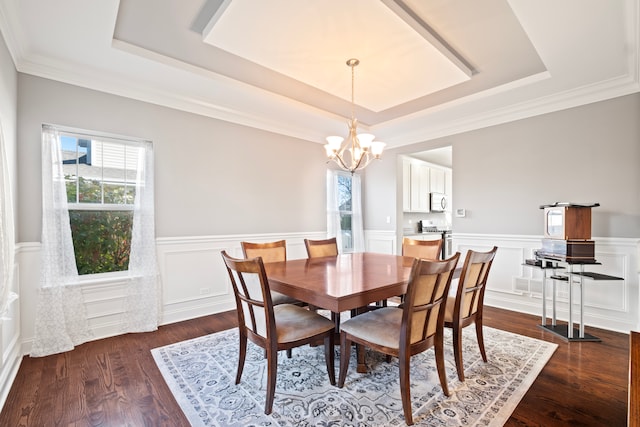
[{"x": 115, "y": 382}]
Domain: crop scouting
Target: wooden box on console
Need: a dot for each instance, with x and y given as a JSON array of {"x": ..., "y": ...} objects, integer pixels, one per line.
[{"x": 569, "y": 249}]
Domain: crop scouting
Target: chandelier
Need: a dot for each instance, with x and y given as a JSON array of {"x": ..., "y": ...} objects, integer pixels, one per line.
[{"x": 358, "y": 149}]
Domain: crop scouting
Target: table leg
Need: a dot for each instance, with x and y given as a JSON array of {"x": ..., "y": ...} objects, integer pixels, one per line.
[
  {"x": 362, "y": 367},
  {"x": 336, "y": 321}
]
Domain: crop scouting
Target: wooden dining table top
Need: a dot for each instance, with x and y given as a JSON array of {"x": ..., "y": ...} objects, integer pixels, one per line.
[{"x": 343, "y": 282}]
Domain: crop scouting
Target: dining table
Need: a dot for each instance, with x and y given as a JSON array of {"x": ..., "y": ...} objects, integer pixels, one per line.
[{"x": 343, "y": 283}]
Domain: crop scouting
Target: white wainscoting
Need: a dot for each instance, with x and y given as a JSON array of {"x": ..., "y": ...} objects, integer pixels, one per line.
[
  {"x": 384, "y": 242},
  {"x": 194, "y": 280},
  {"x": 194, "y": 283},
  {"x": 612, "y": 305}
]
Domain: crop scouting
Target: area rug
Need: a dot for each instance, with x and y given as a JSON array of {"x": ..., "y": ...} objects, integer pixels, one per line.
[{"x": 201, "y": 375}]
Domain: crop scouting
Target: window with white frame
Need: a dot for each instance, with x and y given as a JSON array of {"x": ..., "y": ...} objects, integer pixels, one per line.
[
  {"x": 345, "y": 209},
  {"x": 344, "y": 212},
  {"x": 100, "y": 177}
]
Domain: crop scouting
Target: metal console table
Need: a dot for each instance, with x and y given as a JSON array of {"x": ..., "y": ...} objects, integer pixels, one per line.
[{"x": 550, "y": 263}]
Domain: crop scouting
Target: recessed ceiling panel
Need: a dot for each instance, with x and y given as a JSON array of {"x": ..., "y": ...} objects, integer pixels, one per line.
[{"x": 311, "y": 41}]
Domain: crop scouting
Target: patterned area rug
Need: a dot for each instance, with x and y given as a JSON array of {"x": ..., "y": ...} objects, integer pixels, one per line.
[{"x": 201, "y": 375}]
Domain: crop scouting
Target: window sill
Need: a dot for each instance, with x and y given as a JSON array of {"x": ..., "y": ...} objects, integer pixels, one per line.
[{"x": 103, "y": 278}]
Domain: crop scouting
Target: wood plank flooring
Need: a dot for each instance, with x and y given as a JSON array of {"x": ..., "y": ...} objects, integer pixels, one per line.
[{"x": 115, "y": 382}]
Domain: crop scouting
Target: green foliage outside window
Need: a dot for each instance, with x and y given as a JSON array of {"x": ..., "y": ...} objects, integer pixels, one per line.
[{"x": 101, "y": 238}]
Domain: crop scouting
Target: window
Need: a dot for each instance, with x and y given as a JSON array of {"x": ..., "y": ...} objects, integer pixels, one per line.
[
  {"x": 345, "y": 210},
  {"x": 344, "y": 217},
  {"x": 100, "y": 179}
]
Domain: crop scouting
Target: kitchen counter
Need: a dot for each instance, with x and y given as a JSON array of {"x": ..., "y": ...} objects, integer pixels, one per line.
[
  {"x": 424, "y": 233},
  {"x": 415, "y": 233}
]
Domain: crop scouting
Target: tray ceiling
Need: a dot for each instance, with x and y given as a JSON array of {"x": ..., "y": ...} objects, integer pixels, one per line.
[{"x": 427, "y": 69}]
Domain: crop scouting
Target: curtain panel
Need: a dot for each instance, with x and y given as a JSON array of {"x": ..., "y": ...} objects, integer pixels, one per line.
[
  {"x": 7, "y": 233},
  {"x": 333, "y": 209},
  {"x": 61, "y": 318},
  {"x": 143, "y": 301}
]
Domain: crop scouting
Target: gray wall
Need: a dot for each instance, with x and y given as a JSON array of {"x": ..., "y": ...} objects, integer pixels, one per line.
[
  {"x": 502, "y": 174},
  {"x": 212, "y": 177}
]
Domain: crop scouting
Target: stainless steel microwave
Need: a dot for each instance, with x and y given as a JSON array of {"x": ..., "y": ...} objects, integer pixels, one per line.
[{"x": 438, "y": 202}]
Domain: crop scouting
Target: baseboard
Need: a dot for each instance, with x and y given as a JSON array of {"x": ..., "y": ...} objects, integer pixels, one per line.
[{"x": 10, "y": 371}]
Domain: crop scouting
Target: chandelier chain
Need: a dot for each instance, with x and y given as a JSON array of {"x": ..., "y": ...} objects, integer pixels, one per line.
[{"x": 353, "y": 80}]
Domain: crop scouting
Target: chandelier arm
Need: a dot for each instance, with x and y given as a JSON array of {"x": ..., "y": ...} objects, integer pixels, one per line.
[
  {"x": 340, "y": 162},
  {"x": 360, "y": 165}
]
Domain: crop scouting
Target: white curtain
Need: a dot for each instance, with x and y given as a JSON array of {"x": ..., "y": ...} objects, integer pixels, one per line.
[
  {"x": 61, "y": 321},
  {"x": 333, "y": 210},
  {"x": 7, "y": 236},
  {"x": 357, "y": 224},
  {"x": 142, "y": 304},
  {"x": 333, "y": 213}
]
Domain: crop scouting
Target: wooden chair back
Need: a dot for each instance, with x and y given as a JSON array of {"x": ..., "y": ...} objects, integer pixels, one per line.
[
  {"x": 424, "y": 249},
  {"x": 419, "y": 326},
  {"x": 424, "y": 303},
  {"x": 252, "y": 295},
  {"x": 295, "y": 326},
  {"x": 321, "y": 248},
  {"x": 269, "y": 251},
  {"x": 471, "y": 287},
  {"x": 466, "y": 307}
]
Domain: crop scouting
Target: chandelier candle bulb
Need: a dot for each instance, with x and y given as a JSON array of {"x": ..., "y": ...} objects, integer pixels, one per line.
[{"x": 365, "y": 140}]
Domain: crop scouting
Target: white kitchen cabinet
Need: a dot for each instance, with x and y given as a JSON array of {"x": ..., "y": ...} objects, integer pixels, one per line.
[
  {"x": 437, "y": 183},
  {"x": 420, "y": 178},
  {"x": 406, "y": 185},
  {"x": 448, "y": 187}
]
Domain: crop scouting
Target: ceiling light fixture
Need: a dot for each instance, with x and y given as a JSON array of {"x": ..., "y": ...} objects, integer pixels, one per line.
[{"x": 359, "y": 149}]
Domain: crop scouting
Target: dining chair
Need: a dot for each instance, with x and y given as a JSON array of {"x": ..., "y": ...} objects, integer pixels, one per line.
[
  {"x": 465, "y": 307},
  {"x": 272, "y": 327},
  {"x": 270, "y": 252},
  {"x": 405, "y": 332},
  {"x": 321, "y": 248},
  {"x": 425, "y": 249}
]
